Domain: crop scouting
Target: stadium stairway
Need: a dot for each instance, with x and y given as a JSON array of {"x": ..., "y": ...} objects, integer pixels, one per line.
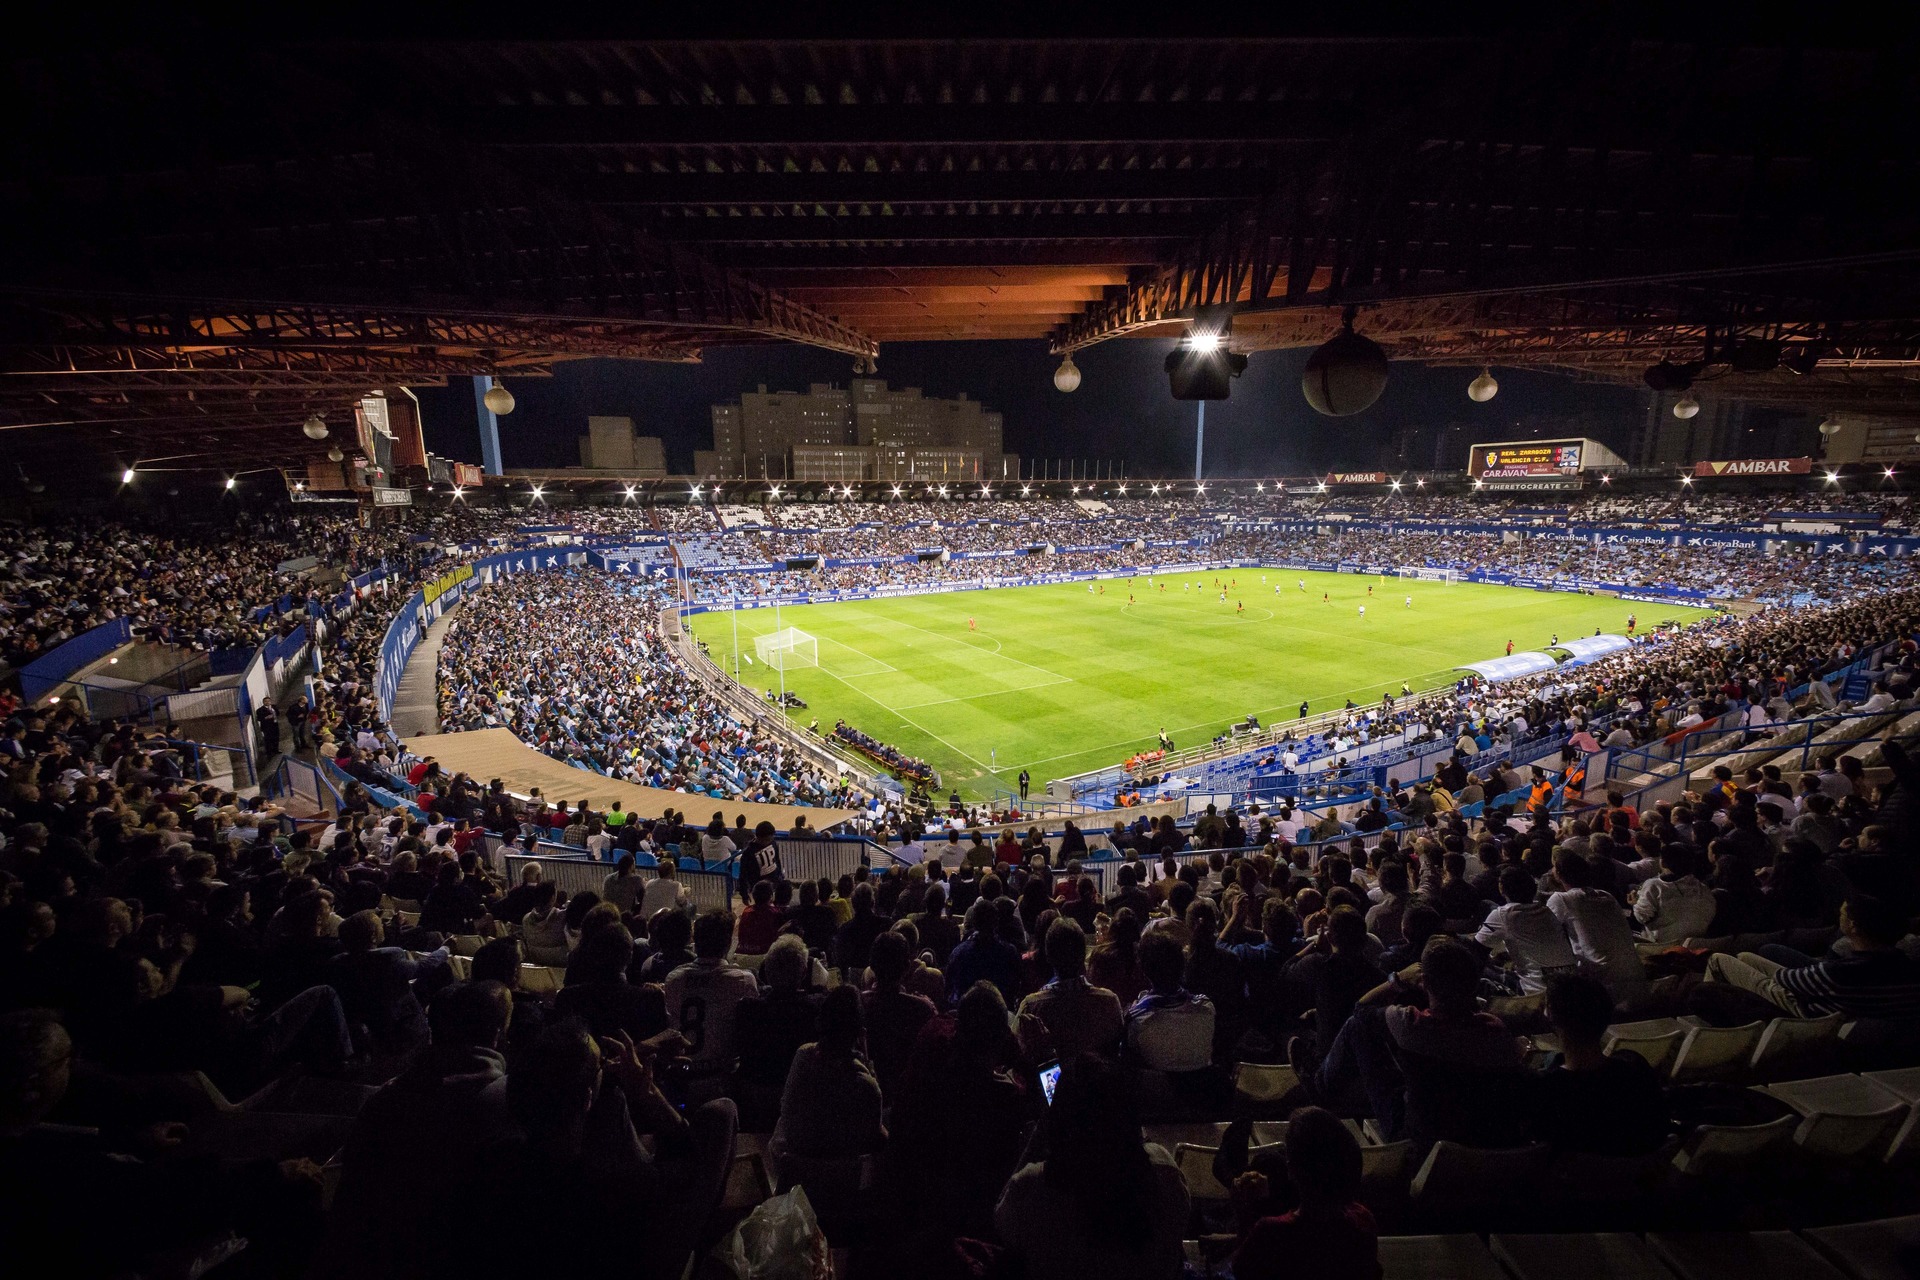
[{"x": 416, "y": 703}]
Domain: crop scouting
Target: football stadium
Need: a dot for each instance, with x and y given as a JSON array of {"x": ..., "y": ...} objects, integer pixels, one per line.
[
  {"x": 1053, "y": 680},
  {"x": 1233, "y": 645}
]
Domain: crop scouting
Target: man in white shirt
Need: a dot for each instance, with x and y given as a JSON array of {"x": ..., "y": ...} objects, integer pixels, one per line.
[
  {"x": 1528, "y": 931},
  {"x": 1598, "y": 930},
  {"x": 665, "y": 892},
  {"x": 702, "y": 998}
]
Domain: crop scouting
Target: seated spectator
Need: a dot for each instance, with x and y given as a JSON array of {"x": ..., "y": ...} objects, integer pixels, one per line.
[
  {"x": 543, "y": 929},
  {"x": 1330, "y": 1235},
  {"x": 164, "y": 1212},
  {"x": 666, "y": 892},
  {"x": 1169, "y": 1029},
  {"x": 853, "y": 940},
  {"x": 831, "y": 1107},
  {"x": 580, "y": 1112},
  {"x": 771, "y": 1027},
  {"x": 597, "y": 991},
  {"x": 624, "y": 888},
  {"x": 1589, "y": 1101},
  {"x": 452, "y": 1102},
  {"x": 702, "y": 998},
  {"x": 759, "y": 923},
  {"x": 960, "y": 1124},
  {"x": 1873, "y": 978},
  {"x": 1597, "y": 928},
  {"x": 1334, "y": 971},
  {"x": 1069, "y": 1017},
  {"x": 1103, "y": 1204},
  {"x": 983, "y": 956},
  {"x": 1115, "y": 963},
  {"x": 1445, "y": 1071},
  {"x": 894, "y": 1016},
  {"x": 376, "y": 985},
  {"x": 1676, "y": 904},
  {"x": 1527, "y": 931}
]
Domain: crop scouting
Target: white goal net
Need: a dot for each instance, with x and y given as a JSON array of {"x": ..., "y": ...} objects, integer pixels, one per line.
[
  {"x": 786, "y": 649},
  {"x": 1424, "y": 574}
]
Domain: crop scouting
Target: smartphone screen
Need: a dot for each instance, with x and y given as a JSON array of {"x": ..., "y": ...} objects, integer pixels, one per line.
[{"x": 1049, "y": 1080}]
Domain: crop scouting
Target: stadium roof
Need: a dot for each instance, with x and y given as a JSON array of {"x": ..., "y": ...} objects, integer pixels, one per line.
[{"x": 217, "y": 234}]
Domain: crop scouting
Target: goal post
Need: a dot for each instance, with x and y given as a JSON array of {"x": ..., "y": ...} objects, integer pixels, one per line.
[
  {"x": 787, "y": 649},
  {"x": 1424, "y": 574}
]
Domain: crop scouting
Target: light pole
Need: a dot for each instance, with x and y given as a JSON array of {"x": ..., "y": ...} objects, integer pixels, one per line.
[{"x": 1200, "y": 443}]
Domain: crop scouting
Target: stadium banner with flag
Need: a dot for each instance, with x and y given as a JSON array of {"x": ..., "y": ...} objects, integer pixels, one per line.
[{"x": 1755, "y": 467}]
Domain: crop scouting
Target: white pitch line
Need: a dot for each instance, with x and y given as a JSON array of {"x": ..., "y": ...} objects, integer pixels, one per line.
[
  {"x": 969, "y": 645},
  {"x": 991, "y": 693}
]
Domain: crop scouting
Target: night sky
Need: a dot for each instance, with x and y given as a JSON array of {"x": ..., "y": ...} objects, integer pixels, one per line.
[{"x": 1122, "y": 412}]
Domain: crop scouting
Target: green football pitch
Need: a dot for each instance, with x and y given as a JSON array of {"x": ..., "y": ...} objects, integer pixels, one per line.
[{"x": 1060, "y": 681}]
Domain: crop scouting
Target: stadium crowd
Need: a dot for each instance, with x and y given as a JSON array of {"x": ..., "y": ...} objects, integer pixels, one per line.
[
  {"x": 575, "y": 665},
  {"x": 885, "y": 1032},
  {"x": 168, "y": 948}
]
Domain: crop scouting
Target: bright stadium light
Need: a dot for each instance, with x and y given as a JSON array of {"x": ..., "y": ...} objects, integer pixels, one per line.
[
  {"x": 1889, "y": 473},
  {"x": 1156, "y": 488},
  {"x": 1686, "y": 481},
  {"x": 126, "y": 477},
  {"x": 230, "y": 482},
  {"x": 1076, "y": 488},
  {"x": 1025, "y": 489},
  {"x": 1833, "y": 477},
  {"x": 774, "y": 491},
  {"x": 1476, "y": 484},
  {"x": 537, "y": 491},
  {"x": 459, "y": 494},
  {"x": 1200, "y": 488},
  {"x": 1259, "y": 486},
  {"x": 631, "y": 489},
  {"x": 943, "y": 491},
  {"x": 1123, "y": 488},
  {"x": 985, "y": 492},
  {"x": 694, "y": 492},
  {"x": 298, "y": 486},
  {"x": 896, "y": 491},
  {"x": 1606, "y": 479},
  {"x": 1203, "y": 342},
  {"x": 1396, "y": 486}
]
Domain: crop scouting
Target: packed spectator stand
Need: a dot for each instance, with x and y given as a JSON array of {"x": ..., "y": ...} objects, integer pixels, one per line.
[{"x": 348, "y": 1043}]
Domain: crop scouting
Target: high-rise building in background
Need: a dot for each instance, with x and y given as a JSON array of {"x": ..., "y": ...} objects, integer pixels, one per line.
[
  {"x": 866, "y": 431},
  {"x": 611, "y": 445}
]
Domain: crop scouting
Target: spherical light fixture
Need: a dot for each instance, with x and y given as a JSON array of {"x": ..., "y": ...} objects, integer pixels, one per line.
[
  {"x": 315, "y": 428},
  {"x": 499, "y": 400},
  {"x": 1483, "y": 388},
  {"x": 334, "y": 454},
  {"x": 1346, "y": 374},
  {"x": 1829, "y": 428},
  {"x": 1067, "y": 376},
  {"x": 1686, "y": 407}
]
